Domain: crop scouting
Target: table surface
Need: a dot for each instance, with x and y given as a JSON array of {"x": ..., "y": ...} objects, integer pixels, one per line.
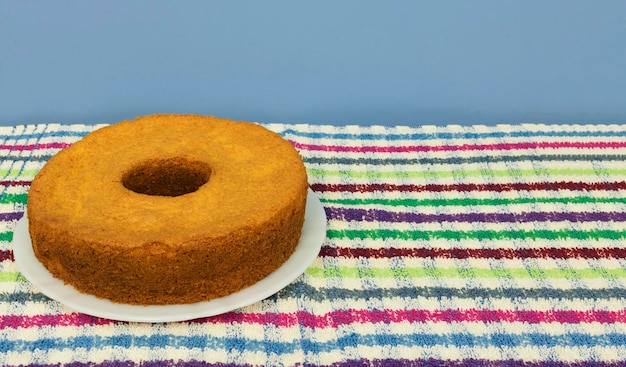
[{"x": 449, "y": 245}]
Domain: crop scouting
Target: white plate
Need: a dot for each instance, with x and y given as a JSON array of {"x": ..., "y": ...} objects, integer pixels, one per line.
[{"x": 313, "y": 235}]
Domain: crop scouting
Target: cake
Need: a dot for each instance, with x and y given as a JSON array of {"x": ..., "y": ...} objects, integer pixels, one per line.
[{"x": 168, "y": 209}]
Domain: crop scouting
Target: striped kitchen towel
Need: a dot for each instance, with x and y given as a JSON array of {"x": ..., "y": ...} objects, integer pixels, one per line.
[{"x": 446, "y": 246}]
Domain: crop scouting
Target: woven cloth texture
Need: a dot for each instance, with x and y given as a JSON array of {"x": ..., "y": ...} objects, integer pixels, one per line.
[{"x": 446, "y": 246}]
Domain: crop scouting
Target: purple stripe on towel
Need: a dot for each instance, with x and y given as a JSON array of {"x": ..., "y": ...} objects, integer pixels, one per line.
[
  {"x": 471, "y": 362},
  {"x": 6, "y": 217},
  {"x": 374, "y": 215}
]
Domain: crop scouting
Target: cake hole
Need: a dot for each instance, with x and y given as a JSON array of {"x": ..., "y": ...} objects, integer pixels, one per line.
[{"x": 167, "y": 177}]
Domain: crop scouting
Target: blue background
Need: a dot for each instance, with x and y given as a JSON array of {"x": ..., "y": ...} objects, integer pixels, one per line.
[{"x": 328, "y": 62}]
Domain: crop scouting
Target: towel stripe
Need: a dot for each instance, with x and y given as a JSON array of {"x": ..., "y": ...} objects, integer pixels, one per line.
[
  {"x": 458, "y": 253},
  {"x": 6, "y": 255},
  {"x": 377, "y": 215},
  {"x": 333, "y": 294},
  {"x": 424, "y": 174},
  {"x": 13, "y": 198},
  {"x": 12, "y": 277},
  {"x": 20, "y": 172},
  {"x": 360, "y": 160},
  {"x": 350, "y": 272},
  {"x": 470, "y": 187},
  {"x": 77, "y": 133},
  {"x": 390, "y": 134},
  {"x": 362, "y": 362},
  {"x": 15, "y": 183},
  {"x": 487, "y": 234},
  {"x": 7, "y": 217},
  {"x": 409, "y": 202},
  {"x": 391, "y": 149},
  {"x": 456, "y": 160},
  {"x": 336, "y": 294},
  {"x": 31, "y": 147},
  {"x": 351, "y": 340},
  {"x": 53, "y": 131},
  {"x": 461, "y": 147},
  {"x": 352, "y": 214},
  {"x": 338, "y": 318},
  {"x": 466, "y": 173}
]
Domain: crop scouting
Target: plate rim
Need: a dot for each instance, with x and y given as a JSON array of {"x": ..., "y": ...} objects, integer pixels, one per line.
[{"x": 308, "y": 248}]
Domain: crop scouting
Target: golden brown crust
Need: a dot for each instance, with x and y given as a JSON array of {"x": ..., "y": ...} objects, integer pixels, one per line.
[{"x": 111, "y": 238}]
